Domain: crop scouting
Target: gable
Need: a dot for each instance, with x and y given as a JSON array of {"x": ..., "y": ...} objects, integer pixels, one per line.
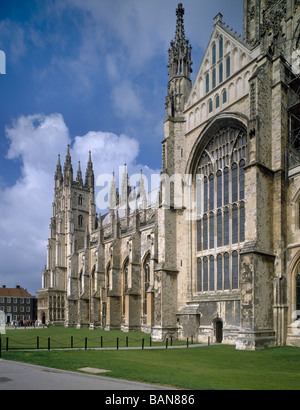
[{"x": 225, "y": 56}]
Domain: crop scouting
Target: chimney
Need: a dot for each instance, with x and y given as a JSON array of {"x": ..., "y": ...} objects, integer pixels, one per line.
[
  {"x": 18, "y": 286},
  {"x": 4, "y": 286}
]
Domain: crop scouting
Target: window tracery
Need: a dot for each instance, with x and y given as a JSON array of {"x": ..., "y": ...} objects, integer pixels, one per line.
[{"x": 221, "y": 227}]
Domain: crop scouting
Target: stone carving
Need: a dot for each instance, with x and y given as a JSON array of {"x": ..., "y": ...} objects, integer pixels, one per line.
[{"x": 272, "y": 17}]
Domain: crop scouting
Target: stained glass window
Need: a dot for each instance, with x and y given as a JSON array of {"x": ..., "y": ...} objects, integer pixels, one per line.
[
  {"x": 234, "y": 183},
  {"x": 242, "y": 180},
  {"x": 205, "y": 233},
  {"x": 214, "y": 78},
  {"x": 219, "y": 272},
  {"x": 222, "y": 165},
  {"x": 205, "y": 274},
  {"x": 235, "y": 270},
  {"x": 219, "y": 189},
  {"x": 219, "y": 228},
  {"x": 242, "y": 222},
  {"x": 211, "y": 230},
  {"x": 214, "y": 54},
  {"x": 207, "y": 83},
  {"x": 221, "y": 47},
  {"x": 212, "y": 274},
  {"x": 228, "y": 67},
  {"x": 226, "y": 272},
  {"x": 235, "y": 225},
  {"x": 199, "y": 275},
  {"x": 220, "y": 73}
]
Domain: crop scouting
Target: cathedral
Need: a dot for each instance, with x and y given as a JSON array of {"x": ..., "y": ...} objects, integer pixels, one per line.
[{"x": 216, "y": 255}]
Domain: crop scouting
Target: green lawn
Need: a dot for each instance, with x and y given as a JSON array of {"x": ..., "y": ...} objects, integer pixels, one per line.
[
  {"x": 61, "y": 337},
  {"x": 208, "y": 367}
]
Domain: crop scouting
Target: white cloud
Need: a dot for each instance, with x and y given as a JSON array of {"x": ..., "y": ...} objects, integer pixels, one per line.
[
  {"x": 35, "y": 139},
  {"x": 25, "y": 207},
  {"x": 12, "y": 36},
  {"x": 126, "y": 100},
  {"x": 108, "y": 150}
]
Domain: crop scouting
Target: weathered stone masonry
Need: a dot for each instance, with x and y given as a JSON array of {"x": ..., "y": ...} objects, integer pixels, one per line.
[{"x": 228, "y": 271}]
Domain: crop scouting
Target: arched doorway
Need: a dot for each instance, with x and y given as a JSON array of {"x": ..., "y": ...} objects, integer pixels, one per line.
[{"x": 219, "y": 331}]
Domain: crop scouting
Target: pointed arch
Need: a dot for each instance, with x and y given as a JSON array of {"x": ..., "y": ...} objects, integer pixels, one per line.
[{"x": 239, "y": 121}]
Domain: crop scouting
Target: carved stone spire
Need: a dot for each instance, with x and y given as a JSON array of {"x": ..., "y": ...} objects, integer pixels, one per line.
[
  {"x": 180, "y": 51},
  {"x": 79, "y": 175},
  {"x": 68, "y": 169},
  {"x": 113, "y": 194},
  {"x": 142, "y": 192},
  {"x": 89, "y": 173},
  {"x": 58, "y": 173},
  {"x": 180, "y": 35},
  {"x": 180, "y": 64},
  {"x": 124, "y": 189}
]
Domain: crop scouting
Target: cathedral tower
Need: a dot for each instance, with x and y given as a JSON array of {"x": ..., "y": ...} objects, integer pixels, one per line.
[{"x": 73, "y": 218}]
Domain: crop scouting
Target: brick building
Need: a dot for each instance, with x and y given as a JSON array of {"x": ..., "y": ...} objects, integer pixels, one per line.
[{"x": 18, "y": 305}]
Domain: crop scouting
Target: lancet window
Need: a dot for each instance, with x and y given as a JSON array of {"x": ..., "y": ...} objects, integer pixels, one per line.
[
  {"x": 146, "y": 282},
  {"x": 221, "y": 227}
]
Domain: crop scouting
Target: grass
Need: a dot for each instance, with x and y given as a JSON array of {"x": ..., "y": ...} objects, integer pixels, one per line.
[
  {"x": 60, "y": 337},
  {"x": 199, "y": 368}
]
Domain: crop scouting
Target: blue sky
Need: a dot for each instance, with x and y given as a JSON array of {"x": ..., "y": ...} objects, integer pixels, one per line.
[{"x": 92, "y": 73}]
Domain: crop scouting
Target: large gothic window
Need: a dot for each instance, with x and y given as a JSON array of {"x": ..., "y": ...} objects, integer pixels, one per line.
[{"x": 221, "y": 227}]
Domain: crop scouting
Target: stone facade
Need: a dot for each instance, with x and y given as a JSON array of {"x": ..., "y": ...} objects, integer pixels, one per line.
[{"x": 226, "y": 268}]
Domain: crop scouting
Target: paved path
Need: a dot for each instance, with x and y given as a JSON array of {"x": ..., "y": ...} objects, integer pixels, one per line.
[{"x": 21, "y": 376}]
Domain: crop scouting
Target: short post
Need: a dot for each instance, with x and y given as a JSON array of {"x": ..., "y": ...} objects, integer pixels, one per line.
[
  {"x": 187, "y": 342},
  {"x": 150, "y": 341},
  {"x": 117, "y": 343},
  {"x": 48, "y": 343},
  {"x": 126, "y": 341},
  {"x": 85, "y": 343},
  {"x": 171, "y": 341},
  {"x": 192, "y": 339},
  {"x": 167, "y": 341},
  {"x": 37, "y": 342},
  {"x": 143, "y": 341},
  {"x": 208, "y": 341},
  {"x": 7, "y": 343},
  {"x": 71, "y": 342},
  {"x": 101, "y": 341}
]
